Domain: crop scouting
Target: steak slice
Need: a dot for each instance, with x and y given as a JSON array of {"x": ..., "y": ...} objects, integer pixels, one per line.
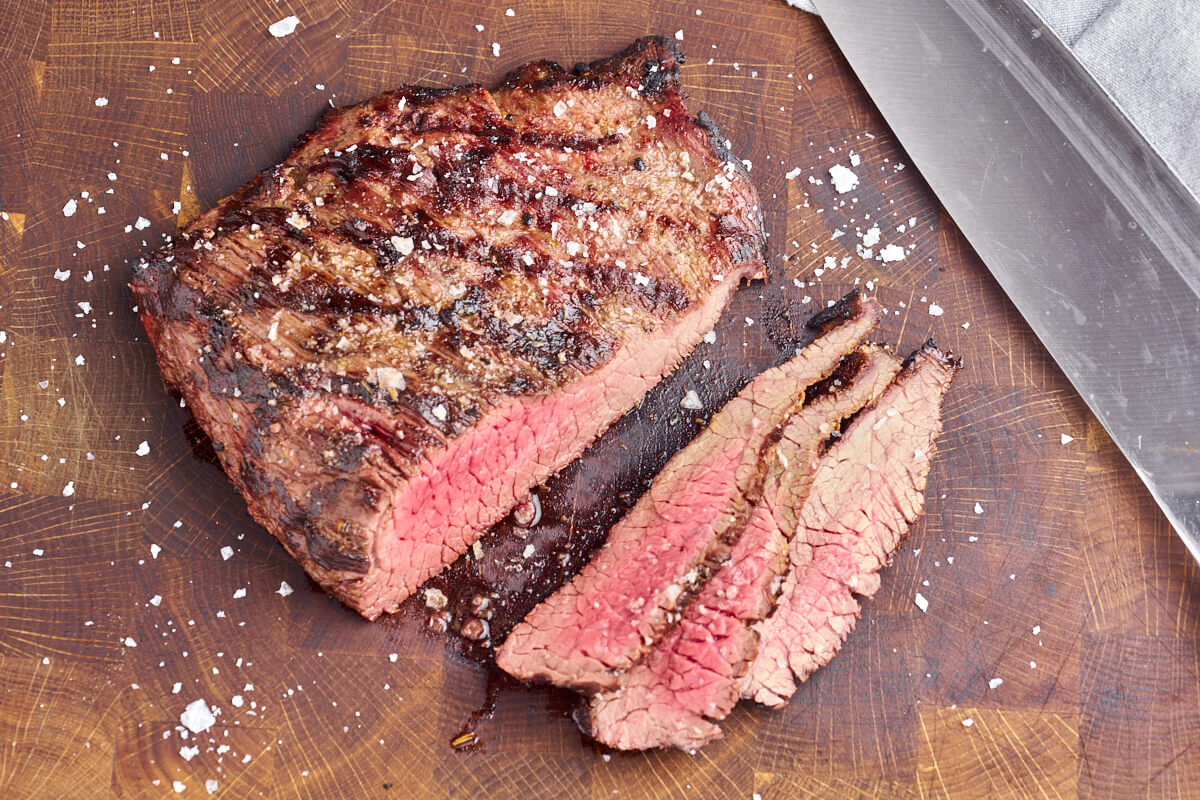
[
  {"x": 441, "y": 297},
  {"x": 866, "y": 491},
  {"x": 691, "y": 679},
  {"x": 609, "y": 616}
]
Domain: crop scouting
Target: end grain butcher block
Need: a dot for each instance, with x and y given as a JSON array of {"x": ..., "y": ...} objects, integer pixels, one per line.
[{"x": 1060, "y": 615}]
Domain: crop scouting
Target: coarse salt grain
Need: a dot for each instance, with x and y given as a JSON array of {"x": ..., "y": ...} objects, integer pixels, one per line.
[
  {"x": 496, "y": 49},
  {"x": 844, "y": 179},
  {"x": 197, "y": 717},
  {"x": 69, "y": 489},
  {"x": 70, "y": 207},
  {"x": 101, "y": 101},
  {"x": 284, "y": 27},
  {"x": 934, "y": 309},
  {"x": 691, "y": 401},
  {"x": 995, "y": 682},
  {"x": 284, "y": 589},
  {"x": 226, "y": 553},
  {"x": 1067, "y": 439},
  {"x": 155, "y": 550},
  {"x": 968, "y": 722},
  {"x": 921, "y": 602},
  {"x": 143, "y": 449},
  {"x": 239, "y": 593},
  {"x": 894, "y": 252}
]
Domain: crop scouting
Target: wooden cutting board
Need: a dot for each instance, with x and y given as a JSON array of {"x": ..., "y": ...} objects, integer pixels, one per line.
[{"x": 1060, "y": 652}]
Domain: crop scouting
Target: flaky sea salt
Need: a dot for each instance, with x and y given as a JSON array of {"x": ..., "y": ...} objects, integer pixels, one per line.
[
  {"x": 691, "y": 401},
  {"x": 197, "y": 717},
  {"x": 894, "y": 252},
  {"x": 284, "y": 27},
  {"x": 844, "y": 179}
]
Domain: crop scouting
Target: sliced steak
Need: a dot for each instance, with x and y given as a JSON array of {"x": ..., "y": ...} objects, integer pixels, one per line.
[
  {"x": 691, "y": 679},
  {"x": 441, "y": 297},
  {"x": 866, "y": 492},
  {"x": 622, "y": 602}
]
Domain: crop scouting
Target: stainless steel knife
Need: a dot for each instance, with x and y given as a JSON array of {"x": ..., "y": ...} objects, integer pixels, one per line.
[{"x": 1088, "y": 231}]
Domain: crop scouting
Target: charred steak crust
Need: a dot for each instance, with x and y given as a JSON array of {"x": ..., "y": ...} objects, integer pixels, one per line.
[{"x": 440, "y": 297}]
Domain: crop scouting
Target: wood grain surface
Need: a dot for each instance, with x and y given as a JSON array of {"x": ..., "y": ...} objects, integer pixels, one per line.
[{"x": 1060, "y": 653}]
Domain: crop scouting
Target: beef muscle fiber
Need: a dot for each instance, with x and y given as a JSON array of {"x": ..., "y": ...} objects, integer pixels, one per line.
[
  {"x": 655, "y": 558},
  {"x": 865, "y": 493},
  {"x": 441, "y": 297},
  {"x": 691, "y": 679}
]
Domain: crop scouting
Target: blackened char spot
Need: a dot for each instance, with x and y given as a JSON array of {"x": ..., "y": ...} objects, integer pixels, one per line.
[
  {"x": 845, "y": 373},
  {"x": 366, "y": 235},
  {"x": 743, "y": 246},
  {"x": 330, "y": 556},
  {"x": 840, "y": 311},
  {"x": 663, "y": 75}
]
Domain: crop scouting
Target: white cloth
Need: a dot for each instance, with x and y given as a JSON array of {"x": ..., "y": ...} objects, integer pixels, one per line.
[{"x": 1146, "y": 55}]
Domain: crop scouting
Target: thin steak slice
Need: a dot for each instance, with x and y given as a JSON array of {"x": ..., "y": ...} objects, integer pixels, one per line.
[
  {"x": 866, "y": 492},
  {"x": 622, "y": 602},
  {"x": 691, "y": 679},
  {"x": 441, "y": 297}
]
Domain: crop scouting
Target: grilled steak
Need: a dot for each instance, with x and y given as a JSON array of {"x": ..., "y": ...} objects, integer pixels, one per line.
[
  {"x": 607, "y": 618},
  {"x": 441, "y": 297},
  {"x": 867, "y": 490},
  {"x": 692, "y": 677}
]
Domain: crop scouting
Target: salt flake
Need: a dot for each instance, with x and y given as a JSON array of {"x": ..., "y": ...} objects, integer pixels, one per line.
[
  {"x": 284, "y": 27},
  {"x": 197, "y": 717},
  {"x": 844, "y": 179}
]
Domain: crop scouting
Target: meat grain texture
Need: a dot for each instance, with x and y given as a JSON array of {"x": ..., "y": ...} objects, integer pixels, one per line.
[
  {"x": 737, "y": 577},
  {"x": 441, "y": 297},
  {"x": 656, "y": 558}
]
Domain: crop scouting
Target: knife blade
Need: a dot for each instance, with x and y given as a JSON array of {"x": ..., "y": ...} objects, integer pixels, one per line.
[{"x": 1091, "y": 235}]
